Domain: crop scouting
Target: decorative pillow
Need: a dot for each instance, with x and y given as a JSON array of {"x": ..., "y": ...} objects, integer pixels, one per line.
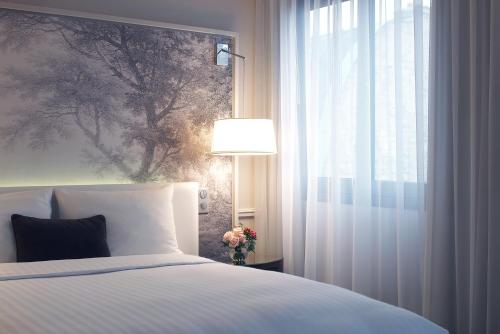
[
  {"x": 138, "y": 221},
  {"x": 30, "y": 203},
  {"x": 59, "y": 239}
]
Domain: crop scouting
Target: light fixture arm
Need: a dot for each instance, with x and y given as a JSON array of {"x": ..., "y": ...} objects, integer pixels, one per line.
[{"x": 231, "y": 53}]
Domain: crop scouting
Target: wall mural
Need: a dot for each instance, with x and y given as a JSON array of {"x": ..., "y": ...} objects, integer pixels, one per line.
[{"x": 92, "y": 101}]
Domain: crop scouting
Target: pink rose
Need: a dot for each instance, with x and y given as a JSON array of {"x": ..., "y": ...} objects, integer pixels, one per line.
[
  {"x": 227, "y": 236},
  {"x": 237, "y": 231},
  {"x": 234, "y": 242},
  {"x": 243, "y": 239}
]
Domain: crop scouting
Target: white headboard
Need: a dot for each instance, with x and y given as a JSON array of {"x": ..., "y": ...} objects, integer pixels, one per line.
[{"x": 185, "y": 203}]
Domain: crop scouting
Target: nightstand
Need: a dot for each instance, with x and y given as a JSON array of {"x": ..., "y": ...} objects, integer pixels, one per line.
[{"x": 265, "y": 262}]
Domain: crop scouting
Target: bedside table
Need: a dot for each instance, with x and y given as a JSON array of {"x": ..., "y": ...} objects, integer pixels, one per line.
[{"x": 265, "y": 262}]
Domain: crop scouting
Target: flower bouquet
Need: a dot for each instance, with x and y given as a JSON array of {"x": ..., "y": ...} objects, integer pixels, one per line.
[{"x": 240, "y": 242}]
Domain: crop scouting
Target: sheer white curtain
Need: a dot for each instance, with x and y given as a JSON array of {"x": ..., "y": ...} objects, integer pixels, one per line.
[
  {"x": 353, "y": 149},
  {"x": 266, "y": 90}
]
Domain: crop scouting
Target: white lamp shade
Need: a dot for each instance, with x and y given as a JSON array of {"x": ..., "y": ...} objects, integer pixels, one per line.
[{"x": 243, "y": 136}]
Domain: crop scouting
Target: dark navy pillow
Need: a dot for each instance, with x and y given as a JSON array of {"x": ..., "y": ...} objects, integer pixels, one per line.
[{"x": 59, "y": 239}]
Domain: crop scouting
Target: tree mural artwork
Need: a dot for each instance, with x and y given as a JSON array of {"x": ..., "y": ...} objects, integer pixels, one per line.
[
  {"x": 157, "y": 87},
  {"x": 138, "y": 101}
]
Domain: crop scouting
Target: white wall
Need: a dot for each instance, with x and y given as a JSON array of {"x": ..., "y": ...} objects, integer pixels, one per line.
[{"x": 232, "y": 15}]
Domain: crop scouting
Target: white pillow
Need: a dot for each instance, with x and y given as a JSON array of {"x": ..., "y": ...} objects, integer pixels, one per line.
[
  {"x": 137, "y": 221},
  {"x": 33, "y": 203}
]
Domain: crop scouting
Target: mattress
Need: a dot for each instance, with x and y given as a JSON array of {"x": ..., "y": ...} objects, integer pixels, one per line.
[{"x": 177, "y": 293}]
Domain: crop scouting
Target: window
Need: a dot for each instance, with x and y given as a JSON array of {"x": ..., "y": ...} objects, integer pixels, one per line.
[{"x": 396, "y": 52}]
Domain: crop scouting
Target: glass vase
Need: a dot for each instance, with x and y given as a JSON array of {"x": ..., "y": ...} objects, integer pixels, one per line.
[{"x": 237, "y": 257}]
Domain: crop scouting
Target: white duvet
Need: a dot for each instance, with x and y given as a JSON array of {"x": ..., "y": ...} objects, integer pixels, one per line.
[{"x": 176, "y": 293}]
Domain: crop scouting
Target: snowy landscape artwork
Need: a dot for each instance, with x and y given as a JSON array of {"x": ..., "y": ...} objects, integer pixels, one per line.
[{"x": 86, "y": 101}]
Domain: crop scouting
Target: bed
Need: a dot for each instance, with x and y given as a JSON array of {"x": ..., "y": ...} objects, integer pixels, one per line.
[{"x": 180, "y": 292}]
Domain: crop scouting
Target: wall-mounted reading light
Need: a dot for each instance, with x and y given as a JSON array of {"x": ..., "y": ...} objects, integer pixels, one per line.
[{"x": 241, "y": 136}]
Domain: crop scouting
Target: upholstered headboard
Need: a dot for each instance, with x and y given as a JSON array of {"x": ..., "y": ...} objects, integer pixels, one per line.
[{"x": 185, "y": 203}]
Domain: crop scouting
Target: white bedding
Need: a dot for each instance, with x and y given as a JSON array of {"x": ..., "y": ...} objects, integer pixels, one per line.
[{"x": 176, "y": 293}]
